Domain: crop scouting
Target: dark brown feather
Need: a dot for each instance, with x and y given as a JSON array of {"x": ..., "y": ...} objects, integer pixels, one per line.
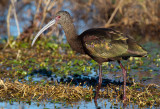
[{"x": 104, "y": 44}]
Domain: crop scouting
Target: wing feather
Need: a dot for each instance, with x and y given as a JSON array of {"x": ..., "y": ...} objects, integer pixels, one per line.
[{"x": 107, "y": 43}]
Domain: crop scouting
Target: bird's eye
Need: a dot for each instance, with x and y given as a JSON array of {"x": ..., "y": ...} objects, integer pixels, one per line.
[{"x": 57, "y": 18}]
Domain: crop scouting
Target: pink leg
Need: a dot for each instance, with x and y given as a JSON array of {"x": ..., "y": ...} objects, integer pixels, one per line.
[
  {"x": 99, "y": 83},
  {"x": 124, "y": 77},
  {"x": 100, "y": 75}
]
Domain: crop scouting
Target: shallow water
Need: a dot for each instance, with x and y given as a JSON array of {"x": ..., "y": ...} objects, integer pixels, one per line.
[
  {"x": 147, "y": 73},
  {"x": 102, "y": 104}
]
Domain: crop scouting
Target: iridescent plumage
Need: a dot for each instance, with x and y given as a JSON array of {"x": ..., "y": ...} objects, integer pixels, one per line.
[
  {"x": 101, "y": 44},
  {"x": 104, "y": 44}
]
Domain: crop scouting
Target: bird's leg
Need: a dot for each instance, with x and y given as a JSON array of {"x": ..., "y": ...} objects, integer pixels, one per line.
[
  {"x": 100, "y": 75},
  {"x": 99, "y": 84},
  {"x": 124, "y": 77}
]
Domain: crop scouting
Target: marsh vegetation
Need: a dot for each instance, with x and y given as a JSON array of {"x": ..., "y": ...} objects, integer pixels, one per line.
[{"x": 50, "y": 72}]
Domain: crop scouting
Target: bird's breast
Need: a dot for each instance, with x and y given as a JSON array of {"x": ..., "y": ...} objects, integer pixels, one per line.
[{"x": 76, "y": 45}]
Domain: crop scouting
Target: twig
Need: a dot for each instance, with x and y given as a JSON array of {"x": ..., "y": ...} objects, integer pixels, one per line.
[
  {"x": 113, "y": 14},
  {"x": 44, "y": 12},
  {"x": 3, "y": 84},
  {"x": 18, "y": 55},
  {"x": 51, "y": 5},
  {"x": 8, "y": 26},
  {"x": 37, "y": 10},
  {"x": 8, "y": 21},
  {"x": 16, "y": 19}
]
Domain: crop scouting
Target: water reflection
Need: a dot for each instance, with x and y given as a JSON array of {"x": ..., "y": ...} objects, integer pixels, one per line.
[{"x": 101, "y": 104}]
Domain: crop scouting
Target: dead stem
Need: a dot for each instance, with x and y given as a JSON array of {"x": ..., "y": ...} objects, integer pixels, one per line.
[{"x": 148, "y": 95}]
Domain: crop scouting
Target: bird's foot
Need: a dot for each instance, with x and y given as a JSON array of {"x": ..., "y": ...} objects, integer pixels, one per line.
[{"x": 124, "y": 98}]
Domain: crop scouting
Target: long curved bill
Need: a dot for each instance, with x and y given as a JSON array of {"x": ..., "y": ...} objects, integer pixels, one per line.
[{"x": 52, "y": 22}]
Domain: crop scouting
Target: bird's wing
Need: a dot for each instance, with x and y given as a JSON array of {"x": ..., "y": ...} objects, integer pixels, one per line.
[{"x": 107, "y": 43}]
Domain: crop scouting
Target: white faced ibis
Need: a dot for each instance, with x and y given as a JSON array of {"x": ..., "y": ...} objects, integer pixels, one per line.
[{"x": 101, "y": 44}]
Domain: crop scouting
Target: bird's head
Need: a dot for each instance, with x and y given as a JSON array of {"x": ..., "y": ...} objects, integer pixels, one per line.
[{"x": 62, "y": 17}]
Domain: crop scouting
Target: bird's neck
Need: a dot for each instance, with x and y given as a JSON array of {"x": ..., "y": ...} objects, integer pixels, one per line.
[
  {"x": 70, "y": 31},
  {"x": 72, "y": 37}
]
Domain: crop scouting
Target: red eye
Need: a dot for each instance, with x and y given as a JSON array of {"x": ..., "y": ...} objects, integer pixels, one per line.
[{"x": 58, "y": 17}]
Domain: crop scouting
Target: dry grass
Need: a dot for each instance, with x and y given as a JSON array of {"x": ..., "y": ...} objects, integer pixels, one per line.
[
  {"x": 24, "y": 91},
  {"x": 137, "y": 93},
  {"x": 145, "y": 95}
]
